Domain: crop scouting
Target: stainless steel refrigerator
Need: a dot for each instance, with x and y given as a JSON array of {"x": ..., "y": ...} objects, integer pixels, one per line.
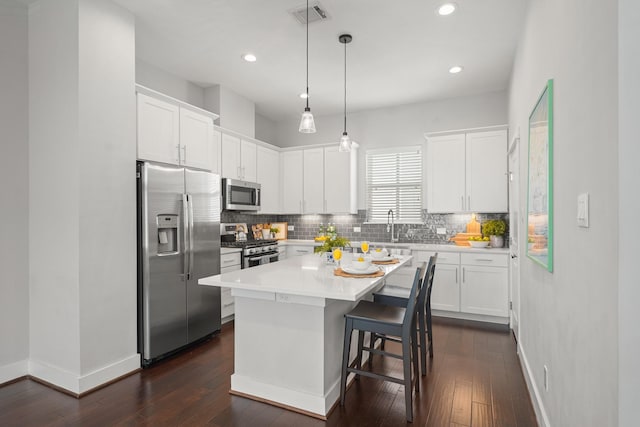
[{"x": 178, "y": 243}]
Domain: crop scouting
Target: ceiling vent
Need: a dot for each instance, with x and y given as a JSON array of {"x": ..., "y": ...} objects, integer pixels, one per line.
[{"x": 316, "y": 13}]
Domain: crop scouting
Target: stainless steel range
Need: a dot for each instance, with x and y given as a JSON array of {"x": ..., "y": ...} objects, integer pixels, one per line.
[{"x": 254, "y": 251}]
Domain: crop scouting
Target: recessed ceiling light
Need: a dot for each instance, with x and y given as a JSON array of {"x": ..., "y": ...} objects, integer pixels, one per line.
[
  {"x": 446, "y": 9},
  {"x": 455, "y": 69},
  {"x": 249, "y": 57},
  {"x": 303, "y": 95}
]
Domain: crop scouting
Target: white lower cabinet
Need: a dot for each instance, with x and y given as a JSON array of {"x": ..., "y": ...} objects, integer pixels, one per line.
[
  {"x": 228, "y": 262},
  {"x": 485, "y": 285},
  {"x": 464, "y": 283}
]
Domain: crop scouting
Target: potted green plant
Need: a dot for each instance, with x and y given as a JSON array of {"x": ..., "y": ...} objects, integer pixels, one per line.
[
  {"x": 274, "y": 231},
  {"x": 330, "y": 242},
  {"x": 495, "y": 229}
]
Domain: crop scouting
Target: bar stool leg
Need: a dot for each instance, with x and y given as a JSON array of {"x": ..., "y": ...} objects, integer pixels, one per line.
[
  {"x": 408, "y": 389},
  {"x": 423, "y": 342},
  {"x": 348, "y": 328},
  {"x": 360, "y": 346}
]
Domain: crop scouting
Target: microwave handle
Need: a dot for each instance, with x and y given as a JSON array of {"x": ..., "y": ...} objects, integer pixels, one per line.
[{"x": 258, "y": 197}]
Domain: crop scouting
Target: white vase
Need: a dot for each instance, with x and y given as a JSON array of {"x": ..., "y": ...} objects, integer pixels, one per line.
[{"x": 496, "y": 241}]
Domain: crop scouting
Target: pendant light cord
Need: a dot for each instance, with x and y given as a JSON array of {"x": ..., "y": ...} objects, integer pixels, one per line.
[
  {"x": 307, "y": 55},
  {"x": 345, "y": 88}
]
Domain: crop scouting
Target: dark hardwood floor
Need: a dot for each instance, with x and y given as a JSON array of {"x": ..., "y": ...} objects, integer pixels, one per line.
[{"x": 474, "y": 380}]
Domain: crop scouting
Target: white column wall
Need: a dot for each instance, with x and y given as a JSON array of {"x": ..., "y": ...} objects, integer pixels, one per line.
[
  {"x": 14, "y": 192},
  {"x": 107, "y": 186},
  {"x": 569, "y": 317},
  {"x": 629, "y": 206},
  {"x": 53, "y": 192},
  {"x": 82, "y": 193}
]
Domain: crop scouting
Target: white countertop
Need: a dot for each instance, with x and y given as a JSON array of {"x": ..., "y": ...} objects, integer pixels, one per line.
[
  {"x": 412, "y": 246},
  {"x": 307, "y": 276}
]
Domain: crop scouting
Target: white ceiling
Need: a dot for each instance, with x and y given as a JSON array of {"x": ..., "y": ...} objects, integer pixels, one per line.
[{"x": 400, "y": 53}]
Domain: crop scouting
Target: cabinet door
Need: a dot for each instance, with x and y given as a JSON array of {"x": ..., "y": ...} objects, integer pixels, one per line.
[
  {"x": 445, "y": 294},
  {"x": 268, "y": 175},
  {"x": 215, "y": 151},
  {"x": 158, "y": 130},
  {"x": 230, "y": 157},
  {"x": 337, "y": 184},
  {"x": 248, "y": 156},
  {"x": 485, "y": 290},
  {"x": 196, "y": 139},
  {"x": 291, "y": 181},
  {"x": 446, "y": 173},
  {"x": 487, "y": 178},
  {"x": 313, "y": 181}
]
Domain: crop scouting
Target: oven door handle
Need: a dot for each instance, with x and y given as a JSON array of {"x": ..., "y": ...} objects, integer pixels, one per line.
[{"x": 260, "y": 258}]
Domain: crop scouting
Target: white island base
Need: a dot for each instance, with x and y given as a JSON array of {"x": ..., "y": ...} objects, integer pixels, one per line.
[{"x": 289, "y": 328}]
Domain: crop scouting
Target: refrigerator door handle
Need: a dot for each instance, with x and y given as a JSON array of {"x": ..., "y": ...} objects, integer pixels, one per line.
[
  {"x": 190, "y": 202},
  {"x": 185, "y": 234}
]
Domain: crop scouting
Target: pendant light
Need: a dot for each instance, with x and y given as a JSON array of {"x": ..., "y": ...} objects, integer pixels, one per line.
[
  {"x": 307, "y": 124},
  {"x": 345, "y": 141}
]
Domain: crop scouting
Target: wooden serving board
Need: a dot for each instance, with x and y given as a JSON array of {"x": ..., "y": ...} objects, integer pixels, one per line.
[{"x": 339, "y": 272}]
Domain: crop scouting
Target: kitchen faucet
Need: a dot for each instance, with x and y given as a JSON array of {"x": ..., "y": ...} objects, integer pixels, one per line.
[{"x": 390, "y": 226}]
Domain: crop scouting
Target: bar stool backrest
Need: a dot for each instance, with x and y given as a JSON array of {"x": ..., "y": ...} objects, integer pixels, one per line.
[{"x": 410, "y": 311}]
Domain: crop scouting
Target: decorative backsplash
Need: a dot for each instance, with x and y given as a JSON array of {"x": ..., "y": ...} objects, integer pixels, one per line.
[{"x": 306, "y": 226}]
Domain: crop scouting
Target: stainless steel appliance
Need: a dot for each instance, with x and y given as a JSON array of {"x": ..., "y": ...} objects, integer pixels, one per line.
[
  {"x": 240, "y": 195},
  {"x": 178, "y": 243},
  {"x": 254, "y": 252}
]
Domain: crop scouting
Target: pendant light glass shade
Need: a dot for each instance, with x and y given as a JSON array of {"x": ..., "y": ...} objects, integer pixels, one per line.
[
  {"x": 307, "y": 125},
  {"x": 345, "y": 141}
]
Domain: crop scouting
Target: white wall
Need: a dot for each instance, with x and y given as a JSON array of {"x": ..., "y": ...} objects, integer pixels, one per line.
[
  {"x": 14, "y": 192},
  {"x": 266, "y": 129},
  {"x": 107, "y": 187},
  {"x": 237, "y": 113},
  {"x": 162, "y": 81},
  {"x": 398, "y": 126},
  {"x": 629, "y": 206},
  {"x": 569, "y": 317},
  {"x": 82, "y": 193}
]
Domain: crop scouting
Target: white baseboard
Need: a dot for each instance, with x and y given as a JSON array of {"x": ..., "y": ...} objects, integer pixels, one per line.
[
  {"x": 14, "y": 370},
  {"x": 80, "y": 384},
  {"x": 538, "y": 406},
  {"x": 470, "y": 316}
]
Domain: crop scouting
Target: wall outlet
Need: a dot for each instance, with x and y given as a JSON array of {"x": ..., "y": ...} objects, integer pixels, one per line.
[
  {"x": 290, "y": 228},
  {"x": 441, "y": 230},
  {"x": 356, "y": 229},
  {"x": 546, "y": 378}
]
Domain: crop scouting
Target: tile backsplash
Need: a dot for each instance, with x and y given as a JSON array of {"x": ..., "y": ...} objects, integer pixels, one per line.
[{"x": 306, "y": 226}]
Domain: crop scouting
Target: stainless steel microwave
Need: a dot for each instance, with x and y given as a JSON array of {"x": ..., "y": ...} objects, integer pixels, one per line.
[{"x": 240, "y": 195}]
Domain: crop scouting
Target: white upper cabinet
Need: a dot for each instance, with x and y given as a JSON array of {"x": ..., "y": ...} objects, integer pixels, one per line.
[
  {"x": 158, "y": 130},
  {"x": 487, "y": 177},
  {"x": 196, "y": 139},
  {"x": 170, "y": 131},
  {"x": 313, "y": 181},
  {"x": 215, "y": 152},
  {"x": 291, "y": 175},
  {"x": 446, "y": 173},
  {"x": 248, "y": 158},
  {"x": 337, "y": 180},
  {"x": 268, "y": 175},
  {"x": 238, "y": 158},
  {"x": 230, "y": 155},
  {"x": 467, "y": 172}
]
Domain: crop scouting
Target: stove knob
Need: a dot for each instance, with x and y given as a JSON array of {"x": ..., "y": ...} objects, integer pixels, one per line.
[{"x": 251, "y": 251}]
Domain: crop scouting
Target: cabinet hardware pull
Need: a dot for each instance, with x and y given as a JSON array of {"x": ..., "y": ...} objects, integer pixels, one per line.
[
  {"x": 229, "y": 305},
  {"x": 184, "y": 154},
  {"x": 462, "y": 202},
  {"x": 456, "y": 275},
  {"x": 484, "y": 259},
  {"x": 462, "y": 274},
  {"x": 469, "y": 203}
]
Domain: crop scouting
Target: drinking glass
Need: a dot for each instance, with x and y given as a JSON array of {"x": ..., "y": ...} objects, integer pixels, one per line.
[
  {"x": 364, "y": 246},
  {"x": 337, "y": 255}
]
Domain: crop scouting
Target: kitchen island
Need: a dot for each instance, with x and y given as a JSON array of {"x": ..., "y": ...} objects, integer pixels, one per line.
[{"x": 289, "y": 326}]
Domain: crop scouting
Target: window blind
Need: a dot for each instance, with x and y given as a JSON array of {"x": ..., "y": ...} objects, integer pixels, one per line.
[{"x": 394, "y": 181}]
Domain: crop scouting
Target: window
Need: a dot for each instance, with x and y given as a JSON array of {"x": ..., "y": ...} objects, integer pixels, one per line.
[{"x": 394, "y": 181}]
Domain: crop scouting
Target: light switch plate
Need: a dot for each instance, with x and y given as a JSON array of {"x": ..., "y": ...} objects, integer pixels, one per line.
[
  {"x": 356, "y": 229},
  {"x": 290, "y": 227},
  {"x": 583, "y": 210}
]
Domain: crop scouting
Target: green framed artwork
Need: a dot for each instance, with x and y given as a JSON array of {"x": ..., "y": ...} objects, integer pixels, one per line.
[{"x": 540, "y": 182}]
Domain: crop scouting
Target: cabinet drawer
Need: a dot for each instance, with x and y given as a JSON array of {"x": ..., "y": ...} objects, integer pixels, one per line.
[
  {"x": 448, "y": 258},
  {"x": 230, "y": 269},
  {"x": 299, "y": 250},
  {"x": 489, "y": 260},
  {"x": 227, "y": 260}
]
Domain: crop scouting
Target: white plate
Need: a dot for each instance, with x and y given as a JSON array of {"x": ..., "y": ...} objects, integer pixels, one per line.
[
  {"x": 353, "y": 270},
  {"x": 384, "y": 259}
]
